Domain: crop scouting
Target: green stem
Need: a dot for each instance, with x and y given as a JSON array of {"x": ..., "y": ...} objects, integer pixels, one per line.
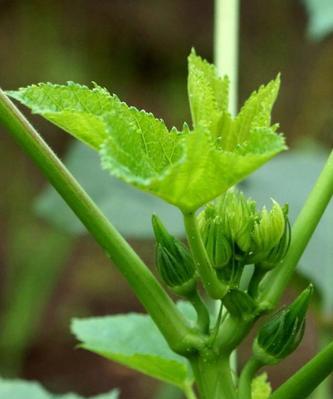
[
  {"x": 189, "y": 392},
  {"x": 202, "y": 311},
  {"x": 246, "y": 377},
  {"x": 226, "y": 35},
  {"x": 214, "y": 378},
  {"x": 324, "y": 391},
  {"x": 153, "y": 297},
  {"x": 256, "y": 278},
  {"x": 305, "y": 225},
  {"x": 214, "y": 287},
  {"x": 304, "y": 381}
]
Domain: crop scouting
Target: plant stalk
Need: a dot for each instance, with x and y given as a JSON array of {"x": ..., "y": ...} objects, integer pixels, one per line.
[
  {"x": 246, "y": 377},
  {"x": 304, "y": 381},
  {"x": 214, "y": 378},
  {"x": 305, "y": 225},
  {"x": 151, "y": 294},
  {"x": 214, "y": 287},
  {"x": 226, "y": 34}
]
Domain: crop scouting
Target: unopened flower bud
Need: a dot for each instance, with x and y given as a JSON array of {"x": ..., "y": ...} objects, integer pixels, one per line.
[
  {"x": 271, "y": 236},
  {"x": 282, "y": 334},
  {"x": 217, "y": 245},
  {"x": 173, "y": 260},
  {"x": 237, "y": 214}
]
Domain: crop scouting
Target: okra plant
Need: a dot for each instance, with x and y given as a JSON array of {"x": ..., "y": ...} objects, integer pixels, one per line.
[{"x": 237, "y": 256}]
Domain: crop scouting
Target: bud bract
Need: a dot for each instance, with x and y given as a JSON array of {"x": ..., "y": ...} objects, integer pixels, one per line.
[
  {"x": 173, "y": 260},
  {"x": 240, "y": 304},
  {"x": 281, "y": 335}
]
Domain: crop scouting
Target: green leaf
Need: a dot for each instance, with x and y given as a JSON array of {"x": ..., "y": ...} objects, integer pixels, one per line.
[
  {"x": 261, "y": 388},
  {"x": 207, "y": 92},
  {"x": 134, "y": 341},
  {"x": 289, "y": 179},
  {"x": 185, "y": 168},
  {"x": 75, "y": 108},
  {"x": 129, "y": 209},
  {"x": 18, "y": 389},
  {"x": 320, "y": 18}
]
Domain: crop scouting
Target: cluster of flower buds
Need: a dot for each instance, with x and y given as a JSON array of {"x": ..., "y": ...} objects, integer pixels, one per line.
[
  {"x": 174, "y": 261},
  {"x": 281, "y": 335},
  {"x": 233, "y": 230}
]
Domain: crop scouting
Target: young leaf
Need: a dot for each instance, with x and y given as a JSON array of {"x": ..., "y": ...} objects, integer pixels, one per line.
[
  {"x": 73, "y": 107},
  {"x": 207, "y": 92},
  {"x": 261, "y": 388},
  {"x": 18, "y": 389},
  {"x": 187, "y": 168},
  {"x": 134, "y": 341}
]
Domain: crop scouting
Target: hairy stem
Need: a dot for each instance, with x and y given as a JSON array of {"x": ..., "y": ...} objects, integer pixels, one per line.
[
  {"x": 304, "y": 381},
  {"x": 142, "y": 281},
  {"x": 214, "y": 287},
  {"x": 305, "y": 225},
  {"x": 246, "y": 377}
]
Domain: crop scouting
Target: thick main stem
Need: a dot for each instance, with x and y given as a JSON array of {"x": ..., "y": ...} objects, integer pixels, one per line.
[
  {"x": 213, "y": 377},
  {"x": 142, "y": 281},
  {"x": 303, "y": 383}
]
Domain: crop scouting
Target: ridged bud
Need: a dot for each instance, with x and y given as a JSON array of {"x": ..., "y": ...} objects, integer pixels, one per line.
[
  {"x": 281, "y": 335},
  {"x": 237, "y": 214},
  {"x": 173, "y": 260},
  {"x": 217, "y": 245},
  {"x": 271, "y": 236}
]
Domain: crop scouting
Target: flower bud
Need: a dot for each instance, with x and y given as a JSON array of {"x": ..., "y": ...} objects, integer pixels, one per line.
[
  {"x": 173, "y": 260},
  {"x": 217, "y": 245},
  {"x": 271, "y": 236},
  {"x": 237, "y": 214},
  {"x": 240, "y": 304},
  {"x": 281, "y": 335}
]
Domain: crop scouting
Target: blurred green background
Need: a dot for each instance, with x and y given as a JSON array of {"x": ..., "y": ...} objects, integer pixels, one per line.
[{"x": 50, "y": 270}]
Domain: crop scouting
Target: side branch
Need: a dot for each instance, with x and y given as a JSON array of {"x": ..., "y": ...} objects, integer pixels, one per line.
[
  {"x": 148, "y": 290},
  {"x": 215, "y": 288},
  {"x": 304, "y": 227},
  {"x": 306, "y": 380}
]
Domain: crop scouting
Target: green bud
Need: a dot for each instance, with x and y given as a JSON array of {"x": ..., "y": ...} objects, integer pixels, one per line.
[
  {"x": 173, "y": 260},
  {"x": 217, "y": 245},
  {"x": 282, "y": 334},
  {"x": 271, "y": 236},
  {"x": 237, "y": 214},
  {"x": 240, "y": 304}
]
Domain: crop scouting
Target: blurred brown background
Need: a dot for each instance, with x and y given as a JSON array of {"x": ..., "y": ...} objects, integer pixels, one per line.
[{"x": 138, "y": 50}]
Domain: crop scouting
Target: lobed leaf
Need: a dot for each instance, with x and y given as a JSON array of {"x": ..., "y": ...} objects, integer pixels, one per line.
[
  {"x": 186, "y": 168},
  {"x": 18, "y": 389}
]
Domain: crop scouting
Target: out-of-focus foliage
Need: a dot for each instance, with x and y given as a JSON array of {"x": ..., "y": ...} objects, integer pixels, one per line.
[
  {"x": 134, "y": 341},
  {"x": 129, "y": 209},
  {"x": 16, "y": 389},
  {"x": 320, "y": 18}
]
